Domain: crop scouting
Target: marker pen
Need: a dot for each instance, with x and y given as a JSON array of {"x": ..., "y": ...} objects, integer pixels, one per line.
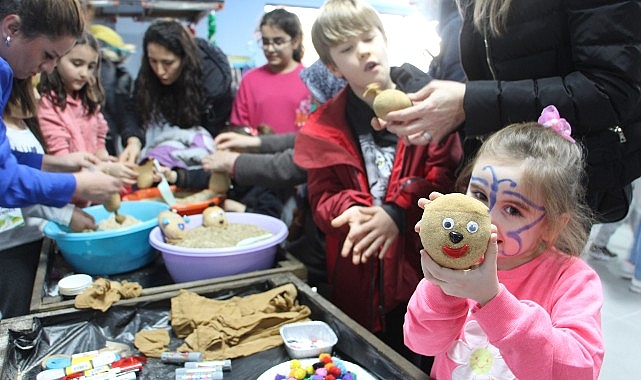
[
  {"x": 224, "y": 364},
  {"x": 62, "y": 361},
  {"x": 100, "y": 376},
  {"x": 181, "y": 357},
  {"x": 102, "y": 359},
  {"x": 131, "y": 375},
  {"x": 213, "y": 373},
  {"x": 84, "y": 356},
  {"x": 121, "y": 366}
]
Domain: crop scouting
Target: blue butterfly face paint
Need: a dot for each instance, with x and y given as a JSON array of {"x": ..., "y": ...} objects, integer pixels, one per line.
[{"x": 514, "y": 209}]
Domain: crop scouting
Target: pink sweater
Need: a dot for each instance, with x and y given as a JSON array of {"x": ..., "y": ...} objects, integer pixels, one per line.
[
  {"x": 281, "y": 101},
  {"x": 71, "y": 130},
  {"x": 545, "y": 323}
]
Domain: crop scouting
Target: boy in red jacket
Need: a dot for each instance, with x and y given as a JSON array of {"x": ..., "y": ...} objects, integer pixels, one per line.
[{"x": 364, "y": 184}]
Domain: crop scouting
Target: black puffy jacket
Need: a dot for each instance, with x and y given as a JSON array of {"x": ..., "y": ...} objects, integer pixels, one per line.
[
  {"x": 583, "y": 56},
  {"x": 217, "y": 80}
]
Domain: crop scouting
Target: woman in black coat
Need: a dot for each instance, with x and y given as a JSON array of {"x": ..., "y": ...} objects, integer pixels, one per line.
[{"x": 582, "y": 56}]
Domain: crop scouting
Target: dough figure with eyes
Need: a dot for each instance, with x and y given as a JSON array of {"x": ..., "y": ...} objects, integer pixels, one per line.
[{"x": 455, "y": 229}]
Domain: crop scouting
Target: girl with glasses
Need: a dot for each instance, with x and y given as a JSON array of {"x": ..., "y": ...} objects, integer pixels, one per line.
[{"x": 273, "y": 94}]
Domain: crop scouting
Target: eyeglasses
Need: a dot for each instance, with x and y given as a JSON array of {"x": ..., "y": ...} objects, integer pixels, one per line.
[{"x": 277, "y": 43}]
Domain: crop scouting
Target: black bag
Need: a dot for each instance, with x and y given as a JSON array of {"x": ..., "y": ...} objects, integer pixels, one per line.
[{"x": 613, "y": 160}]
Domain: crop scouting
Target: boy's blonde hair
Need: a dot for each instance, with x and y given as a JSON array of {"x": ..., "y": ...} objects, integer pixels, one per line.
[
  {"x": 554, "y": 170},
  {"x": 340, "y": 20}
]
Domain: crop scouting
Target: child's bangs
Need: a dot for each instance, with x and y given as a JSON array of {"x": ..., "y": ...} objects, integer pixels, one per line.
[
  {"x": 342, "y": 23},
  {"x": 345, "y": 29}
]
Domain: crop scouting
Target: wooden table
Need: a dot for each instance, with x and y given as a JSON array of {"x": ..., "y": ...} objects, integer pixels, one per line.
[{"x": 154, "y": 277}]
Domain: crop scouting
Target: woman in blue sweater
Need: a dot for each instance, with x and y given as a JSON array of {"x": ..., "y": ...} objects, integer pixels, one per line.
[{"x": 34, "y": 34}]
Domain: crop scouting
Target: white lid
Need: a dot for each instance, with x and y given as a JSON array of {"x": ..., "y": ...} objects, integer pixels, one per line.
[{"x": 74, "y": 284}]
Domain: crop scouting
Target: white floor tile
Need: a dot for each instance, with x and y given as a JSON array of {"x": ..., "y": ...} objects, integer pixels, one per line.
[{"x": 621, "y": 314}]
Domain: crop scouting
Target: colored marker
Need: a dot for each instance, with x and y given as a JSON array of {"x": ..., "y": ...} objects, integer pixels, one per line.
[
  {"x": 224, "y": 364},
  {"x": 214, "y": 373},
  {"x": 102, "y": 359},
  {"x": 180, "y": 357}
]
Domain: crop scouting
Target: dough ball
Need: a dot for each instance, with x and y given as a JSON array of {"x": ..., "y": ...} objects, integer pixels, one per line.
[
  {"x": 390, "y": 100},
  {"x": 214, "y": 216},
  {"x": 455, "y": 230}
]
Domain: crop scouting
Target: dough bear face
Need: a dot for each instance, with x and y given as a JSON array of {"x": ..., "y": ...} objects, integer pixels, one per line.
[
  {"x": 172, "y": 225},
  {"x": 214, "y": 216},
  {"x": 455, "y": 229}
]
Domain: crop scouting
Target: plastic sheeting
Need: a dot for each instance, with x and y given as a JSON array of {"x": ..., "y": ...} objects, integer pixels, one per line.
[{"x": 86, "y": 330}]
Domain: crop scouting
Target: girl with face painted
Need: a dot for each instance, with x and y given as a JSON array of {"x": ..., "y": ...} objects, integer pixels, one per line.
[{"x": 532, "y": 309}]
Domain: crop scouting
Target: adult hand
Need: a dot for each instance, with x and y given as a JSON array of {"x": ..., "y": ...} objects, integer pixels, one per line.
[
  {"x": 131, "y": 153},
  {"x": 220, "y": 161},
  {"x": 437, "y": 111},
  {"x": 231, "y": 205},
  {"x": 371, "y": 232},
  {"x": 236, "y": 141},
  {"x": 480, "y": 284},
  {"x": 71, "y": 162},
  {"x": 96, "y": 186},
  {"x": 82, "y": 221},
  {"x": 120, "y": 170}
]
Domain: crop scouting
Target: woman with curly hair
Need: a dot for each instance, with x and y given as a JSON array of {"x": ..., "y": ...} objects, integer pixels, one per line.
[{"x": 182, "y": 97}]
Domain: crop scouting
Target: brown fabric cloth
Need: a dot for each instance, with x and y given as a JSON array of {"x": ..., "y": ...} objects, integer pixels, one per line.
[
  {"x": 152, "y": 343},
  {"x": 130, "y": 289},
  {"x": 236, "y": 327},
  {"x": 103, "y": 293}
]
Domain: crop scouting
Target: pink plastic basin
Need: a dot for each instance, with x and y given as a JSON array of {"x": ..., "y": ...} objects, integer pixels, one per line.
[{"x": 191, "y": 264}]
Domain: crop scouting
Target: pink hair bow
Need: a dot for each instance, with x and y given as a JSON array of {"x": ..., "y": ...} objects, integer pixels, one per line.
[{"x": 550, "y": 118}]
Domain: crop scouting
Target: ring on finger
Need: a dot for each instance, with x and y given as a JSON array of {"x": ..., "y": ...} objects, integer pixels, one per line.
[{"x": 426, "y": 136}]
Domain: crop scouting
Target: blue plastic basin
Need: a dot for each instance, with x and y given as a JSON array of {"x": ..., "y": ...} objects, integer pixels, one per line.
[{"x": 114, "y": 251}]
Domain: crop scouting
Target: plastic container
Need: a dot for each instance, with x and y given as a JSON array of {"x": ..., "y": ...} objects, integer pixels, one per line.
[
  {"x": 110, "y": 252},
  {"x": 308, "y": 339},
  {"x": 153, "y": 193},
  {"x": 74, "y": 284},
  {"x": 191, "y": 264}
]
